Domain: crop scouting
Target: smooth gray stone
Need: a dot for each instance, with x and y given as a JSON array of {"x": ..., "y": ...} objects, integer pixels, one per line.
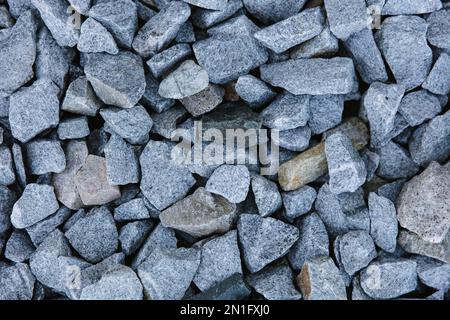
[
  {"x": 167, "y": 273},
  {"x": 36, "y": 203},
  {"x": 80, "y": 98},
  {"x": 133, "y": 235},
  {"x": 58, "y": 20},
  {"x": 395, "y": 162},
  {"x": 186, "y": 33},
  {"x": 311, "y": 76},
  {"x": 96, "y": 38},
  {"x": 237, "y": 26},
  {"x": 26, "y": 122},
  {"x": 81, "y": 6},
  {"x": 151, "y": 98},
  {"x": 19, "y": 247},
  {"x": 399, "y": 7},
  {"x": 232, "y": 288},
  {"x": 161, "y": 29},
  {"x": 326, "y": 112},
  {"x": 164, "y": 61},
  {"x": 220, "y": 259},
  {"x": 271, "y": 11},
  {"x": 73, "y": 128},
  {"x": 19, "y": 165},
  {"x": 323, "y": 45},
  {"x": 389, "y": 279},
  {"x": 264, "y": 240},
  {"x": 44, "y": 156},
  {"x": 226, "y": 57},
  {"x": 17, "y": 282},
  {"x": 313, "y": 241},
  {"x": 356, "y": 251},
  {"x": 117, "y": 80},
  {"x": 204, "y": 18},
  {"x": 7, "y": 175},
  {"x": 433, "y": 273},
  {"x": 95, "y": 236},
  {"x": 288, "y": 33},
  {"x": 118, "y": 17},
  {"x": 346, "y": 18},
  {"x": 438, "y": 32},
  {"x": 438, "y": 81},
  {"x": 204, "y": 101},
  {"x": 298, "y": 202},
  {"x": 122, "y": 164},
  {"x": 287, "y": 112},
  {"x": 39, "y": 231},
  {"x": 132, "y": 210},
  {"x": 267, "y": 197},
  {"x": 7, "y": 200},
  {"x": 253, "y": 91},
  {"x": 209, "y": 4},
  {"x": 419, "y": 106},
  {"x": 165, "y": 123},
  {"x": 132, "y": 124},
  {"x": 402, "y": 41},
  {"x": 295, "y": 139},
  {"x": 51, "y": 60},
  {"x": 231, "y": 182},
  {"x": 383, "y": 222}
]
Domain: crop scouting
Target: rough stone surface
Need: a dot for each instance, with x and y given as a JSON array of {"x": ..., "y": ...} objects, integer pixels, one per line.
[
  {"x": 133, "y": 234},
  {"x": 412, "y": 243},
  {"x": 437, "y": 81},
  {"x": 95, "y": 38},
  {"x": 356, "y": 250},
  {"x": 438, "y": 33},
  {"x": 19, "y": 247},
  {"x": 134, "y": 209},
  {"x": 287, "y": 112},
  {"x": 395, "y": 162},
  {"x": 383, "y": 222},
  {"x": 346, "y": 18},
  {"x": 295, "y": 139},
  {"x": 323, "y": 45},
  {"x": 204, "y": 18},
  {"x": 162, "y": 62},
  {"x": 417, "y": 107},
  {"x": 433, "y": 273},
  {"x": 326, "y": 112},
  {"x": 7, "y": 175},
  {"x": 44, "y": 156},
  {"x": 232, "y": 288},
  {"x": 230, "y": 182},
  {"x": 204, "y": 101},
  {"x": 17, "y": 282},
  {"x": 73, "y": 128},
  {"x": 271, "y": 11},
  {"x": 80, "y": 98},
  {"x": 39, "y": 231},
  {"x": 399, "y": 7},
  {"x": 299, "y": 202},
  {"x": 267, "y": 197},
  {"x": 253, "y": 91}
]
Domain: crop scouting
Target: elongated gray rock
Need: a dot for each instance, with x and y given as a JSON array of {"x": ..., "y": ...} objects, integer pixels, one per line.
[
  {"x": 80, "y": 98},
  {"x": 231, "y": 182},
  {"x": 438, "y": 33},
  {"x": 253, "y": 91},
  {"x": 117, "y": 80},
  {"x": 95, "y": 38},
  {"x": 39, "y": 231},
  {"x": 292, "y": 31},
  {"x": 295, "y": 139},
  {"x": 162, "y": 62},
  {"x": 323, "y": 45},
  {"x": 437, "y": 81},
  {"x": 238, "y": 26},
  {"x": 287, "y": 112},
  {"x": 271, "y": 11},
  {"x": 7, "y": 175},
  {"x": 346, "y": 18},
  {"x": 399, "y": 7},
  {"x": 73, "y": 128},
  {"x": 311, "y": 76},
  {"x": 204, "y": 18},
  {"x": 383, "y": 222},
  {"x": 267, "y": 197},
  {"x": 44, "y": 156},
  {"x": 161, "y": 29},
  {"x": 133, "y": 235}
]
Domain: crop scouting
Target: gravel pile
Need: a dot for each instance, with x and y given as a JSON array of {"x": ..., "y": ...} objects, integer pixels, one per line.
[{"x": 96, "y": 204}]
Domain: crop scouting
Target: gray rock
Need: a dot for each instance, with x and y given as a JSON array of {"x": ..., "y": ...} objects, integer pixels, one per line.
[
  {"x": 383, "y": 222},
  {"x": 17, "y": 282},
  {"x": 160, "y": 173},
  {"x": 119, "y": 17},
  {"x": 287, "y": 112},
  {"x": 152, "y": 99},
  {"x": 346, "y": 168},
  {"x": 166, "y": 122},
  {"x": 358, "y": 293},
  {"x": 311, "y": 76},
  {"x": 298, "y": 202},
  {"x": 122, "y": 164},
  {"x": 73, "y": 128},
  {"x": 391, "y": 190},
  {"x": 437, "y": 81},
  {"x": 44, "y": 156},
  {"x": 133, "y": 235},
  {"x": 253, "y": 91},
  {"x": 26, "y": 122},
  {"x": 161, "y": 29},
  {"x": 232, "y": 288},
  {"x": 264, "y": 240},
  {"x": 188, "y": 79},
  {"x": 95, "y": 236},
  {"x": 398, "y": 7},
  {"x": 438, "y": 29},
  {"x": 356, "y": 250},
  {"x": 381, "y": 102},
  {"x": 238, "y": 26},
  {"x": 367, "y": 57},
  {"x": 295, "y": 139},
  {"x": 423, "y": 206},
  {"x": 167, "y": 273},
  {"x": 19, "y": 247},
  {"x": 18, "y": 7},
  {"x": 7, "y": 200},
  {"x": 132, "y": 124},
  {"x": 346, "y": 19},
  {"x": 204, "y": 101},
  {"x": 92, "y": 183},
  {"x": 81, "y": 213},
  {"x": 80, "y": 98},
  {"x": 324, "y": 44},
  {"x": 412, "y": 243},
  {"x": 39, "y": 231},
  {"x": 6, "y": 21},
  {"x": 57, "y": 18},
  {"x": 81, "y": 6},
  {"x": 430, "y": 142},
  {"x": 226, "y": 57},
  {"x": 132, "y": 210},
  {"x": 19, "y": 165},
  {"x": 292, "y": 31},
  {"x": 36, "y": 203},
  {"x": 395, "y": 162},
  {"x": 7, "y": 175},
  {"x": 320, "y": 279},
  {"x": 204, "y": 18},
  {"x": 267, "y": 197},
  {"x": 117, "y": 80},
  {"x": 313, "y": 241},
  {"x": 231, "y": 182},
  {"x": 209, "y": 4},
  {"x": 120, "y": 283},
  {"x": 402, "y": 41},
  {"x": 96, "y": 38},
  {"x": 326, "y": 112},
  {"x": 417, "y": 107},
  {"x": 271, "y": 11},
  {"x": 200, "y": 214},
  {"x": 186, "y": 33},
  {"x": 389, "y": 279},
  {"x": 433, "y": 273},
  {"x": 162, "y": 62},
  {"x": 220, "y": 259},
  {"x": 372, "y": 161}
]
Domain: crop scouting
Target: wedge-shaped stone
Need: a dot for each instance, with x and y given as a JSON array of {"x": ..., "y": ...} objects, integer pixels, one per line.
[
  {"x": 95, "y": 38},
  {"x": 80, "y": 98},
  {"x": 346, "y": 18},
  {"x": 271, "y": 11},
  {"x": 398, "y": 7}
]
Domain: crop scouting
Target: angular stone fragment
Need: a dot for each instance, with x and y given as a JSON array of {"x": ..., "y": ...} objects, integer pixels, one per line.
[
  {"x": 320, "y": 279},
  {"x": 388, "y": 279},
  {"x": 220, "y": 259},
  {"x": 253, "y": 91},
  {"x": 326, "y": 112},
  {"x": 311, "y": 76},
  {"x": 162, "y": 62},
  {"x": 232, "y": 288},
  {"x": 298, "y": 202},
  {"x": 438, "y": 32},
  {"x": 81, "y": 6},
  {"x": 34, "y": 109},
  {"x": 7, "y": 200},
  {"x": 322, "y": 45},
  {"x": 17, "y": 282},
  {"x": 292, "y": 31},
  {"x": 188, "y": 79},
  {"x": 419, "y": 106},
  {"x": 204, "y": 101},
  {"x": 209, "y": 4},
  {"x": 267, "y": 196},
  {"x": 231, "y": 182},
  {"x": 120, "y": 283},
  {"x": 95, "y": 236},
  {"x": 39, "y": 231},
  {"x": 398, "y": 7},
  {"x": 295, "y": 139},
  {"x": 356, "y": 250},
  {"x": 152, "y": 99},
  {"x": 383, "y": 222},
  {"x": 95, "y": 38},
  {"x": 226, "y": 57},
  {"x": 395, "y": 162},
  {"x": 7, "y": 175},
  {"x": 161, "y": 29},
  {"x": 186, "y": 33},
  {"x": 133, "y": 234},
  {"x": 76, "y": 153},
  {"x": 371, "y": 160},
  {"x": 238, "y": 26},
  {"x": 167, "y": 273},
  {"x": 119, "y": 17},
  {"x": 19, "y": 247},
  {"x": 117, "y": 80},
  {"x": 19, "y": 165},
  {"x": 80, "y": 98},
  {"x": 438, "y": 81},
  {"x": 346, "y": 18},
  {"x": 36, "y": 203},
  {"x": 6, "y": 20},
  {"x": 204, "y": 18},
  {"x": 287, "y": 112},
  {"x": 423, "y": 206},
  {"x": 412, "y": 243},
  {"x": 73, "y": 128},
  {"x": 44, "y": 156},
  {"x": 403, "y": 43},
  {"x": 165, "y": 123},
  {"x": 264, "y": 240},
  {"x": 132, "y": 210},
  {"x": 92, "y": 183}
]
